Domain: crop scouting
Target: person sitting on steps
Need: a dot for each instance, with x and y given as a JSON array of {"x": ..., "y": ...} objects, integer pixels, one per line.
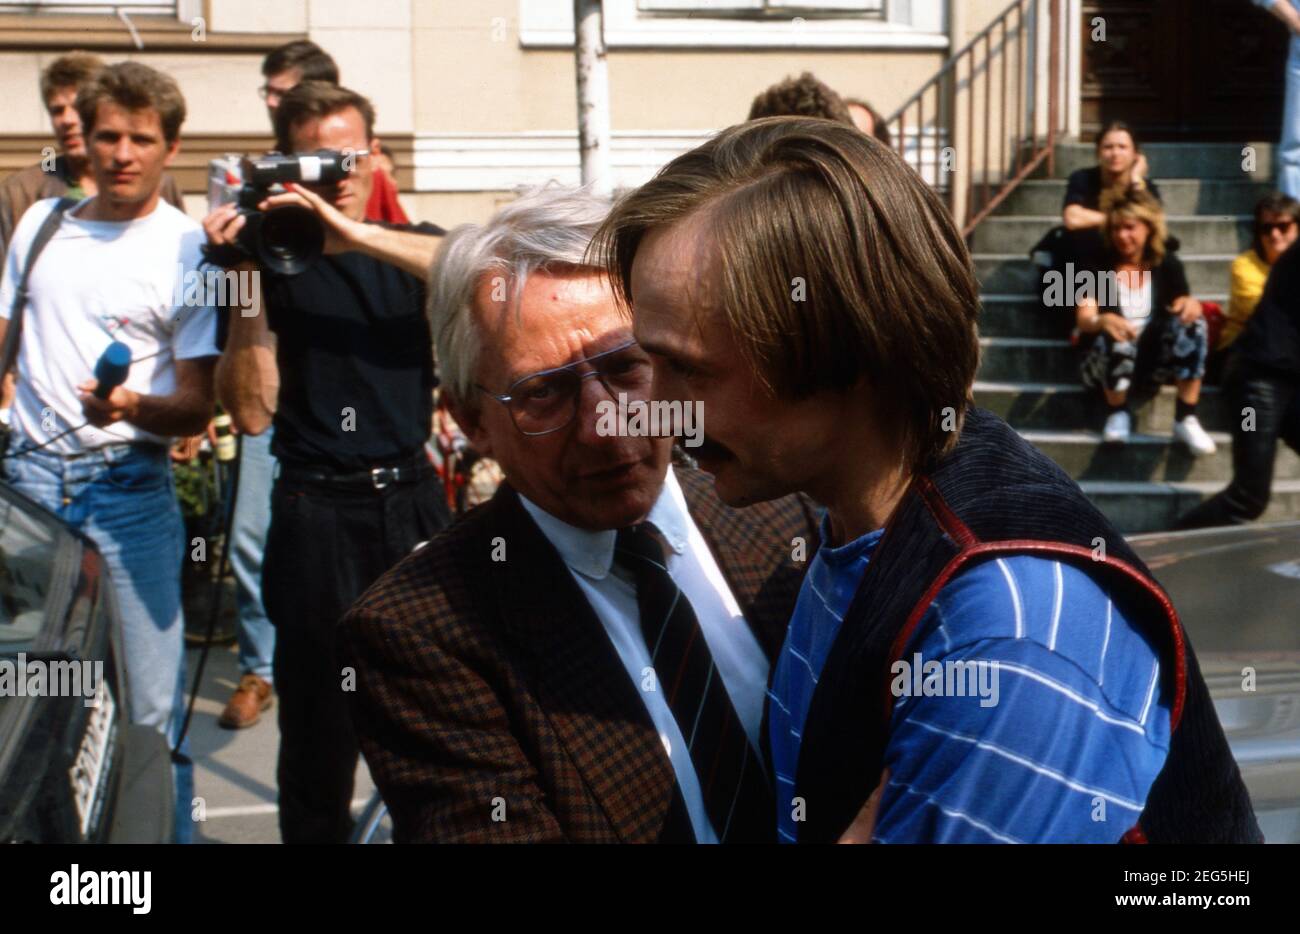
[{"x": 1143, "y": 327}]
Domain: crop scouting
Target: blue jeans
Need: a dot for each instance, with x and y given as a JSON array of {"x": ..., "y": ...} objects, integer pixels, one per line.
[
  {"x": 248, "y": 543},
  {"x": 124, "y": 499},
  {"x": 1288, "y": 156}
]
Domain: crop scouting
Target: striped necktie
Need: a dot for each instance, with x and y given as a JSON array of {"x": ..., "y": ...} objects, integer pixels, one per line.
[{"x": 736, "y": 794}]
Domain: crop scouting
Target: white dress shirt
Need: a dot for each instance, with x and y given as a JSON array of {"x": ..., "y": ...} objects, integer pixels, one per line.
[{"x": 612, "y": 595}]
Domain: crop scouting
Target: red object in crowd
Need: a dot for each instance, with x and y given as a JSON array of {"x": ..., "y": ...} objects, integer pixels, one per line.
[
  {"x": 383, "y": 204},
  {"x": 1214, "y": 321}
]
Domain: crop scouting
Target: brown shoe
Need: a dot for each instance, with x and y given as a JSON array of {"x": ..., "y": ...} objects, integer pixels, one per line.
[{"x": 245, "y": 708}]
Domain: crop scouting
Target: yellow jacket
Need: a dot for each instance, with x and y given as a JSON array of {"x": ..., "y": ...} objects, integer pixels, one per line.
[{"x": 1249, "y": 273}]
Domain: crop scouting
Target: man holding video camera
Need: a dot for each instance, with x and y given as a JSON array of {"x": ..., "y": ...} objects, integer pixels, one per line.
[{"x": 339, "y": 359}]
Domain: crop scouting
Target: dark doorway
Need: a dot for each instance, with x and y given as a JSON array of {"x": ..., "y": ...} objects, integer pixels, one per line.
[{"x": 1184, "y": 69}]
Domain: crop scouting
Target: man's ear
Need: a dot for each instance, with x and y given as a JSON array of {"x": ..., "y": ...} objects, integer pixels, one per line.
[
  {"x": 470, "y": 420},
  {"x": 173, "y": 148}
]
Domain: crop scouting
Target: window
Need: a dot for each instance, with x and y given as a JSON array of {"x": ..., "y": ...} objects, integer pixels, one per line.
[
  {"x": 29, "y": 546},
  {"x": 763, "y": 7},
  {"x": 746, "y": 24},
  {"x": 166, "y": 7}
]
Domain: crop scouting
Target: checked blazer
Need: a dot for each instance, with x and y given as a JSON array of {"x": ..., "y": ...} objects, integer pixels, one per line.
[{"x": 488, "y": 688}]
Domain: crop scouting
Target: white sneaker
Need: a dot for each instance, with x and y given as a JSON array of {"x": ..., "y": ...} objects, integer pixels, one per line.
[
  {"x": 1118, "y": 428},
  {"x": 1190, "y": 433}
]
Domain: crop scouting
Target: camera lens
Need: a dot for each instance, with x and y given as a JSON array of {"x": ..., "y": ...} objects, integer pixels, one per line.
[{"x": 290, "y": 240}]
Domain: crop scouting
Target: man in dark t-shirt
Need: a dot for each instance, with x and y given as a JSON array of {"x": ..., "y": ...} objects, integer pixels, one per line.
[
  {"x": 341, "y": 364},
  {"x": 353, "y": 343}
]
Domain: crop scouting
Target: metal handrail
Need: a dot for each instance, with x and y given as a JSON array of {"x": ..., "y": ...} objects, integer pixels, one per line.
[{"x": 987, "y": 181}]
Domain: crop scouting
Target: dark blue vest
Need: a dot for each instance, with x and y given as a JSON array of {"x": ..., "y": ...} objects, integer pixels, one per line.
[{"x": 995, "y": 494}]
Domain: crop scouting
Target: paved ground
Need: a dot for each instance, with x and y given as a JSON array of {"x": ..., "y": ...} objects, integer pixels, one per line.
[{"x": 235, "y": 769}]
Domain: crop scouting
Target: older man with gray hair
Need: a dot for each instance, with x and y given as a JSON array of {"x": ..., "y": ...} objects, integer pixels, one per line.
[{"x": 585, "y": 657}]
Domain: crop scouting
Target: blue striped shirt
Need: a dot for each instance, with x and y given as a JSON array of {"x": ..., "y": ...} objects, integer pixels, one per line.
[{"x": 1068, "y": 753}]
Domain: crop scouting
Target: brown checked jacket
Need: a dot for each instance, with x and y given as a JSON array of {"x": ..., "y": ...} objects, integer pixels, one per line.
[{"x": 488, "y": 688}]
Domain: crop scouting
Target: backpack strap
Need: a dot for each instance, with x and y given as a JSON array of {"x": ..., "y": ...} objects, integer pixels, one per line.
[{"x": 9, "y": 354}]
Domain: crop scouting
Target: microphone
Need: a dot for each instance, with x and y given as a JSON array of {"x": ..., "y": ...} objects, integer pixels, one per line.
[{"x": 112, "y": 369}]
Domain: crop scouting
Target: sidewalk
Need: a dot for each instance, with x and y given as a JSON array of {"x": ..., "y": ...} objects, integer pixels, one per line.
[{"x": 234, "y": 770}]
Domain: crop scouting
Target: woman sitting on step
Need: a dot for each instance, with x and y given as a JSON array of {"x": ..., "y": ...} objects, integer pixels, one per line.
[
  {"x": 1120, "y": 166},
  {"x": 1140, "y": 326}
]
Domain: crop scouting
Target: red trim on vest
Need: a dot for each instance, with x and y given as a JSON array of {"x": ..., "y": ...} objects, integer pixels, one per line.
[
  {"x": 1134, "y": 834},
  {"x": 972, "y": 547},
  {"x": 943, "y": 514}
]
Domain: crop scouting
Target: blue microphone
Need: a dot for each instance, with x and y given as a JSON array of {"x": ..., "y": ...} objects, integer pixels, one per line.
[{"x": 112, "y": 369}]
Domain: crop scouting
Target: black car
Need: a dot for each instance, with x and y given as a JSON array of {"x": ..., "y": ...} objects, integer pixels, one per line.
[{"x": 72, "y": 767}]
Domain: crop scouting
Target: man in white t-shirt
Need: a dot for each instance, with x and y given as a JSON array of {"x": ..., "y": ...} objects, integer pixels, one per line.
[{"x": 118, "y": 269}]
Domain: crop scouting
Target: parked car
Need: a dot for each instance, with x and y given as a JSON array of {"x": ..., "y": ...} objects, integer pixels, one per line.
[
  {"x": 72, "y": 768},
  {"x": 1237, "y": 591}
]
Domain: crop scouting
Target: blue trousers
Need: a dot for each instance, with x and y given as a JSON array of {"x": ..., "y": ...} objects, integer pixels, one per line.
[
  {"x": 1288, "y": 156},
  {"x": 248, "y": 543}
]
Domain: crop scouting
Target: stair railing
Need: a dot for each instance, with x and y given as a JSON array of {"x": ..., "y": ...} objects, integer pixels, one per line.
[{"x": 991, "y": 115}]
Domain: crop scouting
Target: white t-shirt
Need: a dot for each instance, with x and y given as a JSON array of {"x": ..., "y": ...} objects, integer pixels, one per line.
[
  {"x": 96, "y": 282},
  {"x": 1135, "y": 303}
]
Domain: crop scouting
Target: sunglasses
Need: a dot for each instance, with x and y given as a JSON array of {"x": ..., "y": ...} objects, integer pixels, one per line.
[{"x": 1283, "y": 226}]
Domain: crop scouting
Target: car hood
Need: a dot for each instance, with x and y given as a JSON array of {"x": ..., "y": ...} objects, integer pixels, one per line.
[{"x": 1237, "y": 591}]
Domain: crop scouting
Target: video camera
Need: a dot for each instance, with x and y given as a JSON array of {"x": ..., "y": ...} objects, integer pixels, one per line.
[{"x": 285, "y": 239}]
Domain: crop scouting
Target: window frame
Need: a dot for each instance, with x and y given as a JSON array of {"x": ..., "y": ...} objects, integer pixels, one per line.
[{"x": 906, "y": 24}]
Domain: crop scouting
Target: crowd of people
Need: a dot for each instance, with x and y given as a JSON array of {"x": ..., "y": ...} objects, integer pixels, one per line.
[
  {"x": 1139, "y": 327},
  {"x": 338, "y": 357},
  {"x": 627, "y": 643}
]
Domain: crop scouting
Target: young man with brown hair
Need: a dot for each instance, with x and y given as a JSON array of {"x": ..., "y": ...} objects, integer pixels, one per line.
[
  {"x": 68, "y": 174},
  {"x": 289, "y": 66},
  {"x": 112, "y": 272},
  {"x": 797, "y": 280},
  {"x": 803, "y": 96}
]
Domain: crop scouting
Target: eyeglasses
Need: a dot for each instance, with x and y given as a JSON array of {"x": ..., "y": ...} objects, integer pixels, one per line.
[
  {"x": 1283, "y": 226},
  {"x": 266, "y": 91},
  {"x": 541, "y": 403}
]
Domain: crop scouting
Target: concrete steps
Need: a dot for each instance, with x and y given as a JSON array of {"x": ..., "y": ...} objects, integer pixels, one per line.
[
  {"x": 1021, "y": 316},
  {"x": 1247, "y": 161},
  {"x": 1029, "y": 373},
  {"x": 1012, "y": 315},
  {"x": 1181, "y": 197},
  {"x": 1029, "y": 359},
  {"x": 1147, "y": 457},
  {"x": 1067, "y": 406},
  {"x": 1014, "y": 273},
  {"x": 1152, "y": 507},
  {"x": 1228, "y": 233}
]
